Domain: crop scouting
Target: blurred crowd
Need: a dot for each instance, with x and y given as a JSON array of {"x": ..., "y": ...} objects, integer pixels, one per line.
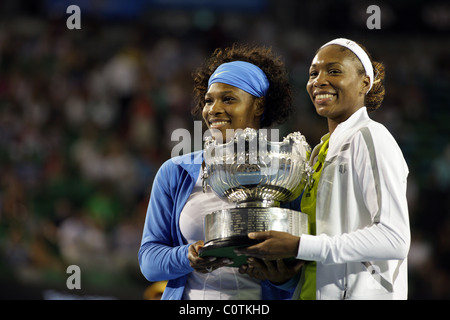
[{"x": 86, "y": 118}]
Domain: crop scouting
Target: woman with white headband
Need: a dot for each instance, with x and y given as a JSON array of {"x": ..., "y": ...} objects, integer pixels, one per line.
[
  {"x": 356, "y": 202},
  {"x": 238, "y": 87}
]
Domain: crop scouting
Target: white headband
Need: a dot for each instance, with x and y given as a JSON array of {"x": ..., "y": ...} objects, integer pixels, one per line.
[{"x": 359, "y": 52}]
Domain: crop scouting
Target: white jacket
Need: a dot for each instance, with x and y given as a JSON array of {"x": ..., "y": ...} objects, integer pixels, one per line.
[{"x": 363, "y": 233}]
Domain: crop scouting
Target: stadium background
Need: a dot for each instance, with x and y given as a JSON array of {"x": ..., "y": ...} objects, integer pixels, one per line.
[{"x": 86, "y": 118}]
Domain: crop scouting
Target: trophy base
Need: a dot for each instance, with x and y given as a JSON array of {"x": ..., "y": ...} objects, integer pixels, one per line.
[
  {"x": 226, "y": 230},
  {"x": 224, "y": 248}
]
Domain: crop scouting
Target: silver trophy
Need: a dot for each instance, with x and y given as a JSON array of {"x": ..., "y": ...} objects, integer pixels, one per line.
[{"x": 258, "y": 176}]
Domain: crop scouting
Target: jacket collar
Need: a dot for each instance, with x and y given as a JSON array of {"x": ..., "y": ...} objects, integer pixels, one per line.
[
  {"x": 357, "y": 119},
  {"x": 190, "y": 162}
]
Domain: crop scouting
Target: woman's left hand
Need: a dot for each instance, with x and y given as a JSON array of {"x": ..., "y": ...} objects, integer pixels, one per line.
[
  {"x": 276, "y": 271},
  {"x": 273, "y": 245},
  {"x": 206, "y": 264}
]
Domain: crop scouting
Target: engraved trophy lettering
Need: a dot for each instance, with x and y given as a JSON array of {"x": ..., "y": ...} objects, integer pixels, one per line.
[{"x": 258, "y": 176}]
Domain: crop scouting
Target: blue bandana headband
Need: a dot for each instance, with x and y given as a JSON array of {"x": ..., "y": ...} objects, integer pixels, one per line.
[{"x": 243, "y": 75}]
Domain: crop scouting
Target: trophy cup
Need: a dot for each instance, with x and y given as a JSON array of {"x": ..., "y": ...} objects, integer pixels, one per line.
[{"x": 257, "y": 175}]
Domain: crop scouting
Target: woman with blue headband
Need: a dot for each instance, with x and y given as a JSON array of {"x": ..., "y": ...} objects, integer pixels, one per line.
[
  {"x": 263, "y": 77},
  {"x": 238, "y": 87},
  {"x": 356, "y": 201}
]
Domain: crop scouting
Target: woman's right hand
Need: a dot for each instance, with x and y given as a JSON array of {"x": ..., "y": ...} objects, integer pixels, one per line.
[{"x": 206, "y": 264}]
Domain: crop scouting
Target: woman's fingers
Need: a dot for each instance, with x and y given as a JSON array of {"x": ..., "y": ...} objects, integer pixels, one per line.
[
  {"x": 204, "y": 264},
  {"x": 275, "y": 245}
]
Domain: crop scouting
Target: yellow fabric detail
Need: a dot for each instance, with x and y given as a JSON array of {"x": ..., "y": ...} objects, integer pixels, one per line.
[{"x": 308, "y": 206}]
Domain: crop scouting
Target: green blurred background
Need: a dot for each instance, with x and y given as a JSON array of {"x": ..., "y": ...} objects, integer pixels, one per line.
[{"x": 86, "y": 118}]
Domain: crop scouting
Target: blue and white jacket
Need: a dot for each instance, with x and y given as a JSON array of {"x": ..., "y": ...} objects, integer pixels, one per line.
[{"x": 163, "y": 252}]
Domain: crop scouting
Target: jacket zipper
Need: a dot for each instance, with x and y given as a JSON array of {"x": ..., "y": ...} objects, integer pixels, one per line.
[{"x": 345, "y": 282}]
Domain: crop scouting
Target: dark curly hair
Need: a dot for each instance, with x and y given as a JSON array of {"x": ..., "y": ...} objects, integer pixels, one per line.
[
  {"x": 277, "y": 102},
  {"x": 375, "y": 96}
]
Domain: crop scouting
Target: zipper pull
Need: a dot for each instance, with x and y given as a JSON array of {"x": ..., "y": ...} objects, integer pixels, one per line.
[{"x": 205, "y": 176}]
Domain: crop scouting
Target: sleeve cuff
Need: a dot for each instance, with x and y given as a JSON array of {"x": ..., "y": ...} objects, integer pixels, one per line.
[{"x": 310, "y": 248}]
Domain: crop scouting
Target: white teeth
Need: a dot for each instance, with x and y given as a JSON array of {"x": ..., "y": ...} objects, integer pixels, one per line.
[
  {"x": 324, "y": 96},
  {"x": 219, "y": 123}
]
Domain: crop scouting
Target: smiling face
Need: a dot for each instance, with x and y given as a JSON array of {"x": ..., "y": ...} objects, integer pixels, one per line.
[
  {"x": 228, "y": 107},
  {"x": 336, "y": 85}
]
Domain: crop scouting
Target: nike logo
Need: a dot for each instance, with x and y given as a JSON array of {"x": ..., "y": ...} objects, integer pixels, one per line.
[{"x": 217, "y": 74}]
